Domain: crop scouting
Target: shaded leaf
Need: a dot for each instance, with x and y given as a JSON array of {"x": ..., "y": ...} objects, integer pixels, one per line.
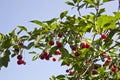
[
  {"x": 22, "y": 28},
  {"x": 63, "y": 14},
  {"x": 35, "y": 57},
  {"x": 69, "y": 3}
]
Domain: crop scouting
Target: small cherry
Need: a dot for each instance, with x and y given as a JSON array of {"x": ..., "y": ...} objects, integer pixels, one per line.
[
  {"x": 67, "y": 70},
  {"x": 103, "y": 36},
  {"x": 47, "y": 57},
  {"x": 41, "y": 57},
  {"x": 94, "y": 72},
  {"x": 54, "y": 59},
  {"x": 87, "y": 45},
  {"x": 73, "y": 47},
  {"x": 83, "y": 45},
  {"x": 16, "y": 49},
  {"x": 103, "y": 55},
  {"x": 20, "y": 43},
  {"x": 59, "y": 34},
  {"x": 58, "y": 53},
  {"x": 51, "y": 42},
  {"x": 20, "y": 61},
  {"x": 19, "y": 57},
  {"x": 45, "y": 54},
  {"x": 77, "y": 53},
  {"x": 59, "y": 44},
  {"x": 71, "y": 72}
]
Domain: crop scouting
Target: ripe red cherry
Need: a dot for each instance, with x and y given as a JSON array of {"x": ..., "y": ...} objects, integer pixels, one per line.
[
  {"x": 58, "y": 53},
  {"x": 51, "y": 42},
  {"x": 87, "y": 45},
  {"x": 16, "y": 50},
  {"x": 67, "y": 64},
  {"x": 47, "y": 57},
  {"x": 41, "y": 57},
  {"x": 77, "y": 53},
  {"x": 103, "y": 36},
  {"x": 108, "y": 61},
  {"x": 54, "y": 59},
  {"x": 59, "y": 44},
  {"x": 19, "y": 57},
  {"x": 19, "y": 62},
  {"x": 113, "y": 69},
  {"x": 45, "y": 54},
  {"x": 20, "y": 43},
  {"x": 96, "y": 66},
  {"x": 83, "y": 45},
  {"x": 71, "y": 72},
  {"x": 73, "y": 47},
  {"x": 59, "y": 34},
  {"x": 67, "y": 70},
  {"x": 94, "y": 72},
  {"x": 103, "y": 55},
  {"x": 109, "y": 58}
]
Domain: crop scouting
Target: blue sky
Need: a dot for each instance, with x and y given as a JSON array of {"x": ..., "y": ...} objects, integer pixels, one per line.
[{"x": 20, "y": 12}]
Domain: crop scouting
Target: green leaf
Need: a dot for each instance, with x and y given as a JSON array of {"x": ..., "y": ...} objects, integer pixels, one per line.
[
  {"x": 101, "y": 11},
  {"x": 35, "y": 57},
  {"x": 33, "y": 52},
  {"x": 52, "y": 50},
  {"x": 107, "y": 1},
  {"x": 22, "y": 28},
  {"x": 5, "y": 59},
  {"x": 63, "y": 14},
  {"x": 7, "y": 42},
  {"x": 30, "y": 45},
  {"x": 38, "y": 23},
  {"x": 60, "y": 77},
  {"x": 69, "y": 3},
  {"x": 81, "y": 6},
  {"x": 78, "y": 1},
  {"x": 117, "y": 15},
  {"x": 65, "y": 52},
  {"x": 13, "y": 55},
  {"x": 74, "y": 1},
  {"x": 89, "y": 1}
]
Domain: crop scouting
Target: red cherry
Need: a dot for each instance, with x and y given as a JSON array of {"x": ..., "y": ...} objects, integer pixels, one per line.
[
  {"x": 16, "y": 50},
  {"x": 51, "y": 42},
  {"x": 73, "y": 47},
  {"x": 83, "y": 45},
  {"x": 59, "y": 44},
  {"x": 109, "y": 58},
  {"x": 113, "y": 69},
  {"x": 47, "y": 57},
  {"x": 54, "y": 59},
  {"x": 103, "y": 55},
  {"x": 103, "y": 36},
  {"x": 20, "y": 44},
  {"x": 19, "y": 62},
  {"x": 19, "y": 57},
  {"x": 96, "y": 66},
  {"x": 41, "y": 57},
  {"x": 67, "y": 70},
  {"x": 87, "y": 45},
  {"x": 59, "y": 34},
  {"x": 58, "y": 53},
  {"x": 94, "y": 72},
  {"x": 71, "y": 72},
  {"x": 77, "y": 53},
  {"x": 45, "y": 54},
  {"x": 67, "y": 64},
  {"x": 108, "y": 61}
]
